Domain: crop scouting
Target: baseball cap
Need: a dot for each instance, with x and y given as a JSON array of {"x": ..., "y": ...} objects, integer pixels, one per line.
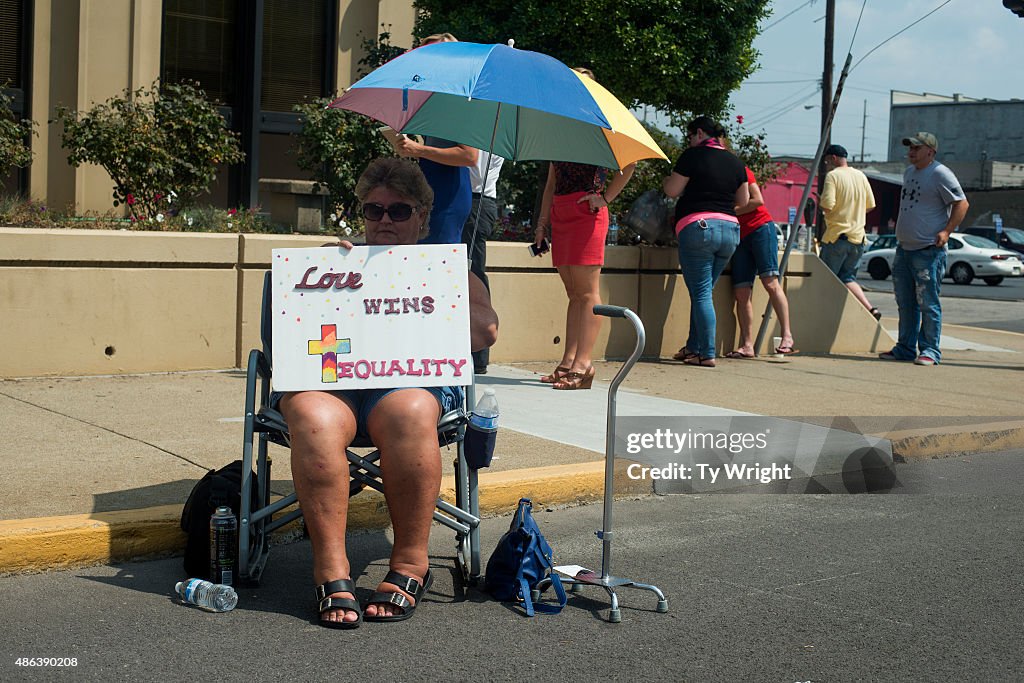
[
  {"x": 922, "y": 138},
  {"x": 837, "y": 150}
]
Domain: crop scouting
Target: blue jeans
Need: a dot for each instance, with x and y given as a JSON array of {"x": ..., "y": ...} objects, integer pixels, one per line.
[
  {"x": 757, "y": 255},
  {"x": 704, "y": 249},
  {"x": 842, "y": 258},
  {"x": 917, "y": 282}
]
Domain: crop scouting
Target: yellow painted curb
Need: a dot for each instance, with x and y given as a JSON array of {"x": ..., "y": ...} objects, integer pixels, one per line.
[
  {"x": 947, "y": 442},
  {"x": 47, "y": 543}
]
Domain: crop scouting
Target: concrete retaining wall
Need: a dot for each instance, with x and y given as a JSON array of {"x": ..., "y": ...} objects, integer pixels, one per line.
[{"x": 87, "y": 302}]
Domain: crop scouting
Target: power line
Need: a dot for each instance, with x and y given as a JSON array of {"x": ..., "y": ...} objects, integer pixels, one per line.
[
  {"x": 787, "y": 15},
  {"x": 898, "y": 33},
  {"x": 803, "y": 80}
]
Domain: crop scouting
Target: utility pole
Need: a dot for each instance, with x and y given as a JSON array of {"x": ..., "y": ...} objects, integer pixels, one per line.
[
  {"x": 826, "y": 99},
  {"x": 863, "y": 130}
]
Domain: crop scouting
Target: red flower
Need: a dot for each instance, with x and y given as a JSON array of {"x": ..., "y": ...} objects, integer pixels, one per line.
[
  {"x": 739, "y": 118},
  {"x": 129, "y": 199},
  {"x": 158, "y": 195},
  {"x": 232, "y": 212}
]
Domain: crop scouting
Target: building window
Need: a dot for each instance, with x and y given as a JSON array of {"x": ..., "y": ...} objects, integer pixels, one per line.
[
  {"x": 293, "y": 53},
  {"x": 200, "y": 39},
  {"x": 11, "y": 17}
]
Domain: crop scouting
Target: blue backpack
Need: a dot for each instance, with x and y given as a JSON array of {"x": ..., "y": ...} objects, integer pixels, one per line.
[{"x": 521, "y": 560}]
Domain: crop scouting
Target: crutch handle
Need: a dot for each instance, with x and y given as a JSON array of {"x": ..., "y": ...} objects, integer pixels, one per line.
[{"x": 610, "y": 311}]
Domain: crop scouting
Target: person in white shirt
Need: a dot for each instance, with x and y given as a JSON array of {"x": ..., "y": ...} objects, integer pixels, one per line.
[{"x": 474, "y": 234}]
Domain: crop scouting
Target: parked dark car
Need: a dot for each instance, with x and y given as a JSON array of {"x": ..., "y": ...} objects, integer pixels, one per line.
[{"x": 1009, "y": 238}]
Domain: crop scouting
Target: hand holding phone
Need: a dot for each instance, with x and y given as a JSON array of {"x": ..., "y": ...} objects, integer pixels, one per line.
[{"x": 544, "y": 247}]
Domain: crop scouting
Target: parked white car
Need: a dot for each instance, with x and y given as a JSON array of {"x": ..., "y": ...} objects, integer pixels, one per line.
[{"x": 969, "y": 257}]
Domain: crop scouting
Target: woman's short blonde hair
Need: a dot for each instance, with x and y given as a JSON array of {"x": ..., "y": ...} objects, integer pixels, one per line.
[
  {"x": 439, "y": 38},
  {"x": 585, "y": 71},
  {"x": 401, "y": 176}
]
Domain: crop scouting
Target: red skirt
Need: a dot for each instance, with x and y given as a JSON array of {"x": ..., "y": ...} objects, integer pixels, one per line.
[{"x": 577, "y": 233}]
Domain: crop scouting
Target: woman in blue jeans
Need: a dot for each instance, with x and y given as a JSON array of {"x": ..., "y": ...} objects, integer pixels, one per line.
[{"x": 710, "y": 182}]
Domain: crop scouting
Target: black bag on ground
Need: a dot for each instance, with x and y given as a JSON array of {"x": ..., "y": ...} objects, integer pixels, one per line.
[
  {"x": 520, "y": 561},
  {"x": 217, "y": 487}
]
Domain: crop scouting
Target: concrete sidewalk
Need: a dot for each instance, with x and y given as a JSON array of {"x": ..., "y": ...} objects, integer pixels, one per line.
[{"x": 97, "y": 468}]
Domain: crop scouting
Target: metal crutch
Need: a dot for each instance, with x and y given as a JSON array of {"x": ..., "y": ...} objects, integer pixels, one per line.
[{"x": 606, "y": 580}]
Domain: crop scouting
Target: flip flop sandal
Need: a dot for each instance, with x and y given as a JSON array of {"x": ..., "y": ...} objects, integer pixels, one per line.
[
  {"x": 325, "y": 604},
  {"x": 410, "y": 586},
  {"x": 700, "y": 361},
  {"x": 739, "y": 354},
  {"x": 684, "y": 354},
  {"x": 786, "y": 350}
]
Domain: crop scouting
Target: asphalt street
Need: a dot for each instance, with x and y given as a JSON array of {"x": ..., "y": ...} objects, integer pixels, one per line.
[
  {"x": 916, "y": 587},
  {"x": 976, "y": 304}
]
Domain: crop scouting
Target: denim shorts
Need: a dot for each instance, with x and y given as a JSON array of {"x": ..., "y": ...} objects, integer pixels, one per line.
[
  {"x": 365, "y": 400},
  {"x": 842, "y": 258},
  {"x": 757, "y": 254}
]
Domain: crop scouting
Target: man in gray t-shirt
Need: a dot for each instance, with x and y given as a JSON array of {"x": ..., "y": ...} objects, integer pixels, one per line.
[{"x": 932, "y": 205}]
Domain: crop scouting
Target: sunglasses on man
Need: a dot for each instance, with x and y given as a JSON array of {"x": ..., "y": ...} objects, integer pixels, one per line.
[{"x": 399, "y": 211}]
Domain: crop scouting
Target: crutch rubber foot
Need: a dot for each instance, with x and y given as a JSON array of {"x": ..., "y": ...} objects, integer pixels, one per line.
[
  {"x": 662, "y": 606},
  {"x": 615, "y": 616}
]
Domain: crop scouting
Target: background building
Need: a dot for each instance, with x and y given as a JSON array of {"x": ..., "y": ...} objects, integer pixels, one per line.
[{"x": 257, "y": 57}]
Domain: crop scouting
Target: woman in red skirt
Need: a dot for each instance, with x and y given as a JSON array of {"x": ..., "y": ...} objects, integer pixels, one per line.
[{"x": 575, "y": 205}]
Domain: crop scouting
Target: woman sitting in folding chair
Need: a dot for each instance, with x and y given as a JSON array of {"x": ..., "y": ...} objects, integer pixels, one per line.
[{"x": 402, "y": 423}]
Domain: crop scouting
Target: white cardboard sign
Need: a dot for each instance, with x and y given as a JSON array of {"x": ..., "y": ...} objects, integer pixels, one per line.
[{"x": 370, "y": 317}]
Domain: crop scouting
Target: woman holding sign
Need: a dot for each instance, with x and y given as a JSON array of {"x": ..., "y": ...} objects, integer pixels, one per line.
[{"x": 396, "y": 202}]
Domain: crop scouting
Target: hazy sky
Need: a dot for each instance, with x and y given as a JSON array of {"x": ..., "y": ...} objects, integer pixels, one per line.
[{"x": 973, "y": 47}]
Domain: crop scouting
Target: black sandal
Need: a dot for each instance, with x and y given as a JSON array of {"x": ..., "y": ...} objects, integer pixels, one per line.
[
  {"x": 877, "y": 314},
  {"x": 410, "y": 586},
  {"x": 326, "y": 604}
]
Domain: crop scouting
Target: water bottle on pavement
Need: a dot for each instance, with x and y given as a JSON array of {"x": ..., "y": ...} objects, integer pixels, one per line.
[
  {"x": 223, "y": 545},
  {"x": 482, "y": 431},
  {"x": 212, "y": 597},
  {"x": 613, "y": 230}
]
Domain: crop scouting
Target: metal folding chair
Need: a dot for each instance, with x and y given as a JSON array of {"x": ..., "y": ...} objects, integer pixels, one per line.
[{"x": 261, "y": 516}]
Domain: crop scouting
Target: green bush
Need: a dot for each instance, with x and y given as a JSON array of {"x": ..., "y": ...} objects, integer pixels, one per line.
[
  {"x": 13, "y": 150},
  {"x": 160, "y": 147},
  {"x": 335, "y": 146}
]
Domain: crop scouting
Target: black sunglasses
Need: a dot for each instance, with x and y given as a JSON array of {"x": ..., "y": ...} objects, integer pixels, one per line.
[{"x": 399, "y": 211}]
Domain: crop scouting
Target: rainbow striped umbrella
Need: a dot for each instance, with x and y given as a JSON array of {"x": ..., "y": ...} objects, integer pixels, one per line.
[{"x": 520, "y": 105}]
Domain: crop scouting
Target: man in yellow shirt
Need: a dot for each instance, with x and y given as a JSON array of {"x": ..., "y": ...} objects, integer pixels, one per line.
[{"x": 845, "y": 201}]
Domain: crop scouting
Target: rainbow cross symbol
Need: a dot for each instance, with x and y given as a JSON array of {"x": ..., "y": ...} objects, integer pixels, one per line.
[{"x": 328, "y": 346}]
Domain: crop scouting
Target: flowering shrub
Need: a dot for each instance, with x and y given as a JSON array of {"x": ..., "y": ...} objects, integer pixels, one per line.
[
  {"x": 13, "y": 150},
  {"x": 160, "y": 147},
  {"x": 751, "y": 148}
]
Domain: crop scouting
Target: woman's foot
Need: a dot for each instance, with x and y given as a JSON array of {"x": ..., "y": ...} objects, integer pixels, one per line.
[
  {"x": 700, "y": 361},
  {"x": 397, "y": 596},
  {"x": 339, "y": 608},
  {"x": 576, "y": 380},
  {"x": 558, "y": 373},
  {"x": 684, "y": 354},
  {"x": 786, "y": 348},
  {"x": 743, "y": 352}
]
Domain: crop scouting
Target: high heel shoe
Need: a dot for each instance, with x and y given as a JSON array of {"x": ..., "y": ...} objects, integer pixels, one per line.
[
  {"x": 558, "y": 373},
  {"x": 576, "y": 380}
]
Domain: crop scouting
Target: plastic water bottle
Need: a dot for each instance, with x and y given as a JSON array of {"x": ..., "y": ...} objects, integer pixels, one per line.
[
  {"x": 613, "y": 230},
  {"x": 223, "y": 545},
  {"x": 212, "y": 597},
  {"x": 482, "y": 431}
]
